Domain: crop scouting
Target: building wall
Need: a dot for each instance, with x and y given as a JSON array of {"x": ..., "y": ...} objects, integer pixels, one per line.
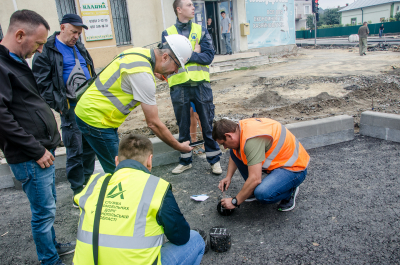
[
  {"x": 373, "y": 14},
  {"x": 301, "y": 17}
]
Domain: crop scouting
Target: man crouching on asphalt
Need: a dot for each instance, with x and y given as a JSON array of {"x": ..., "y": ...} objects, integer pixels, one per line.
[{"x": 271, "y": 160}]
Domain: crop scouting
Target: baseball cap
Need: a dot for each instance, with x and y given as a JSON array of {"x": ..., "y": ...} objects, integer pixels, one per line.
[{"x": 73, "y": 19}]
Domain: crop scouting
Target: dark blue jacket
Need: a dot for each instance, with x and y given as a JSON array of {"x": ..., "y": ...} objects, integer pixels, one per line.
[
  {"x": 207, "y": 51},
  {"x": 176, "y": 229}
]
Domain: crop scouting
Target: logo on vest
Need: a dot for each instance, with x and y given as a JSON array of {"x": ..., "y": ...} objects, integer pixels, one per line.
[
  {"x": 114, "y": 193},
  {"x": 194, "y": 36}
]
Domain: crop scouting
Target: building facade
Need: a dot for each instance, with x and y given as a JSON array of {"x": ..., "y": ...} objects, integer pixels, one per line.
[
  {"x": 369, "y": 10},
  {"x": 303, "y": 8},
  {"x": 117, "y": 25}
]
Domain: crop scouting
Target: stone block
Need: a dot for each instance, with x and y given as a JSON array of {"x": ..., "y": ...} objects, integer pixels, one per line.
[{"x": 380, "y": 125}]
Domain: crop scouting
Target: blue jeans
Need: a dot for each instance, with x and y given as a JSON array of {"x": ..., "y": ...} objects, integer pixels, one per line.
[
  {"x": 202, "y": 98},
  {"x": 276, "y": 186},
  {"x": 39, "y": 186},
  {"x": 80, "y": 156},
  {"x": 191, "y": 253},
  {"x": 380, "y": 33},
  {"x": 227, "y": 39},
  {"x": 104, "y": 142}
]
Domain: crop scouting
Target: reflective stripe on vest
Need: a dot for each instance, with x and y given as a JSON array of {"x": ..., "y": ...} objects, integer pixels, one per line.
[
  {"x": 286, "y": 151},
  {"x": 105, "y": 104},
  {"x": 195, "y": 72},
  {"x": 138, "y": 240}
]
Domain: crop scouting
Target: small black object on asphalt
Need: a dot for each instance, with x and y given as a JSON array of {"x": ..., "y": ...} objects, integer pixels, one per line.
[
  {"x": 220, "y": 239},
  {"x": 204, "y": 236},
  {"x": 222, "y": 211}
]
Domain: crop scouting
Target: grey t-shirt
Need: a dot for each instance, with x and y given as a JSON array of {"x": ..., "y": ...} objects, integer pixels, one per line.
[
  {"x": 141, "y": 86},
  {"x": 225, "y": 24}
]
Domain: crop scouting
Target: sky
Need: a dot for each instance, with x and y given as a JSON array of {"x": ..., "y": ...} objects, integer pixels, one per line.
[{"x": 333, "y": 3}]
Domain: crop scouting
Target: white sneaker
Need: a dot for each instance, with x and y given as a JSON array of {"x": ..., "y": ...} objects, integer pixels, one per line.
[
  {"x": 180, "y": 168},
  {"x": 216, "y": 168}
]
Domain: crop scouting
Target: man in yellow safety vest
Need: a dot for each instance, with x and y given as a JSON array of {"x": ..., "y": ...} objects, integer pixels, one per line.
[
  {"x": 138, "y": 209},
  {"x": 193, "y": 85},
  {"x": 123, "y": 85}
]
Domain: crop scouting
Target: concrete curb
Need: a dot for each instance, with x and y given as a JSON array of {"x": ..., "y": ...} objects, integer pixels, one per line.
[
  {"x": 311, "y": 134},
  {"x": 380, "y": 125}
]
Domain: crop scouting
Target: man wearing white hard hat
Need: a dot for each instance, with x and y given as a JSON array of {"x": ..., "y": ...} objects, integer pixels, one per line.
[
  {"x": 127, "y": 82},
  {"x": 192, "y": 84}
]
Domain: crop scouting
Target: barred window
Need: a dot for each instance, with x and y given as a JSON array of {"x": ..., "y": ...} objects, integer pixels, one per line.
[
  {"x": 65, "y": 7},
  {"x": 122, "y": 29}
]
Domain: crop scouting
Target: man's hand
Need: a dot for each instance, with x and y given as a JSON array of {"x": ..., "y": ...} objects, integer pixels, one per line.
[
  {"x": 185, "y": 148},
  {"x": 159, "y": 76},
  {"x": 46, "y": 160},
  {"x": 197, "y": 47},
  {"x": 224, "y": 184},
  {"x": 227, "y": 203}
]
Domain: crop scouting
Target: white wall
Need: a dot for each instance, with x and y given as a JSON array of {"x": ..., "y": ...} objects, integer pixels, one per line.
[{"x": 373, "y": 14}]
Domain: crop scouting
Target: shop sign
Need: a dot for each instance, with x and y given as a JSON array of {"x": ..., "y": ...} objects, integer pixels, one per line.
[
  {"x": 272, "y": 23},
  {"x": 96, "y": 15}
]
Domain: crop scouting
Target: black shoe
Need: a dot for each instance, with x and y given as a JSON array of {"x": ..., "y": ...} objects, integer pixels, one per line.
[
  {"x": 364, "y": 53},
  {"x": 288, "y": 205},
  {"x": 230, "y": 53},
  {"x": 59, "y": 262},
  {"x": 64, "y": 249}
]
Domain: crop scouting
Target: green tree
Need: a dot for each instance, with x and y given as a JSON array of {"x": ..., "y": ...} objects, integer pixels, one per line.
[
  {"x": 397, "y": 16},
  {"x": 310, "y": 22},
  {"x": 331, "y": 16}
]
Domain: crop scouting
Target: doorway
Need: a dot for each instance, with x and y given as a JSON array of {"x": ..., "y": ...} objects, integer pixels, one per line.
[{"x": 212, "y": 12}]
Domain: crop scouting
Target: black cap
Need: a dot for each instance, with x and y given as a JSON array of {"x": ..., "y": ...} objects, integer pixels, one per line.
[{"x": 73, "y": 19}]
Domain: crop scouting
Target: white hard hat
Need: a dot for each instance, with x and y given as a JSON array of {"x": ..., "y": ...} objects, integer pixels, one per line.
[{"x": 181, "y": 47}]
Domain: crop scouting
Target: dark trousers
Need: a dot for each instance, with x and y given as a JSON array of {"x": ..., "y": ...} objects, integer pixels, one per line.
[
  {"x": 202, "y": 97},
  {"x": 80, "y": 156}
]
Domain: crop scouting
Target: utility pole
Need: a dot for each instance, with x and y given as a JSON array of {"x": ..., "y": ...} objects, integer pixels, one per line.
[
  {"x": 315, "y": 30},
  {"x": 316, "y": 18}
]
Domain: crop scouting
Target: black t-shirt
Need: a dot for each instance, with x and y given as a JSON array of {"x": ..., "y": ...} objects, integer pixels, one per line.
[
  {"x": 210, "y": 30},
  {"x": 381, "y": 28}
]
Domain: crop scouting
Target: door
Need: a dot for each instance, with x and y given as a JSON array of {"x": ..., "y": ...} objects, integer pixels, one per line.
[{"x": 213, "y": 29}]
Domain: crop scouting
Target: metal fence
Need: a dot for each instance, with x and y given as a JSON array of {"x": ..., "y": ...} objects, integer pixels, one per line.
[
  {"x": 122, "y": 29},
  {"x": 390, "y": 27},
  {"x": 1, "y": 33},
  {"x": 65, "y": 7}
]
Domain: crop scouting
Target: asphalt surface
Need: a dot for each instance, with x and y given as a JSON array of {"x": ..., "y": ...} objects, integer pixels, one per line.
[{"x": 347, "y": 212}]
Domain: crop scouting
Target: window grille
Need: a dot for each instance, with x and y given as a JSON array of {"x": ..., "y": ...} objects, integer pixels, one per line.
[
  {"x": 65, "y": 7},
  {"x": 122, "y": 29}
]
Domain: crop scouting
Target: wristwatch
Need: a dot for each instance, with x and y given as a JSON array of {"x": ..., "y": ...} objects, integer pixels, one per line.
[{"x": 234, "y": 202}]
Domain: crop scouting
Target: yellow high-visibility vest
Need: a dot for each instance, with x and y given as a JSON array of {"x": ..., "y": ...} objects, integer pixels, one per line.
[
  {"x": 105, "y": 104},
  {"x": 195, "y": 72},
  {"x": 129, "y": 232}
]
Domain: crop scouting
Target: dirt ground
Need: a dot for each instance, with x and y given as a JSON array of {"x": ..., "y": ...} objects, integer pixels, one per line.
[{"x": 310, "y": 85}]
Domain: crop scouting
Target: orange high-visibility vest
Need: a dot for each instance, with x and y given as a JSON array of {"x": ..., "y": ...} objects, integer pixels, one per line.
[{"x": 286, "y": 151}]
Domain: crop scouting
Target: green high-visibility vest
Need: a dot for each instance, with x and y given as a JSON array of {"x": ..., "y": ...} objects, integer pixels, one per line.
[
  {"x": 129, "y": 232},
  {"x": 105, "y": 104},
  {"x": 195, "y": 72}
]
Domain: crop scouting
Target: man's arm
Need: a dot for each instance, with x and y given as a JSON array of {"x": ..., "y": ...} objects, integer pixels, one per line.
[
  {"x": 176, "y": 228},
  {"x": 41, "y": 68},
  {"x": 248, "y": 188},
  {"x": 206, "y": 56},
  {"x": 159, "y": 129},
  {"x": 10, "y": 130}
]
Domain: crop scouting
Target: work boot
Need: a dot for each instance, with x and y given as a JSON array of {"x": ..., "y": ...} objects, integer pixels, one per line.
[
  {"x": 216, "y": 168},
  {"x": 74, "y": 204},
  {"x": 288, "y": 205},
  {"x": 180, "y": 168},
  {"x": 64, "y": 249}
]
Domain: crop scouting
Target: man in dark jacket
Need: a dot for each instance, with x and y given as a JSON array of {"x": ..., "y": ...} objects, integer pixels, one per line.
[
  {"x": 53, "y": 70},
  {"x": 28, "y": 130}
]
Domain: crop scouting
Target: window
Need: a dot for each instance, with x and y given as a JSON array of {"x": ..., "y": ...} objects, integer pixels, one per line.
[
  {"x": 307, "y": 10},
  {"x": 354, "y": 21},
  {"x": 65, "y": 7},
  {"x": 1, "y": 34},
  {"x": 122, "y": 30}
]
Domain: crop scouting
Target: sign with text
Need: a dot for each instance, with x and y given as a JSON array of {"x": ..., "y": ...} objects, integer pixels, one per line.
[
  {"x": 96, "y": 15},
  {"x": 272, "y": 23}
]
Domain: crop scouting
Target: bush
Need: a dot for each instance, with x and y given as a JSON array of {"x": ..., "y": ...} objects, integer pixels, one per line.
[
  {"x": 303, "y": 28},
  {"x": 397, "y": 16},
  {"x": 369, "y": 22},
  {"x": 348, "y": 25},
  {"x": 392, "y": 19},
  {"x": 359, "y": 23}
]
